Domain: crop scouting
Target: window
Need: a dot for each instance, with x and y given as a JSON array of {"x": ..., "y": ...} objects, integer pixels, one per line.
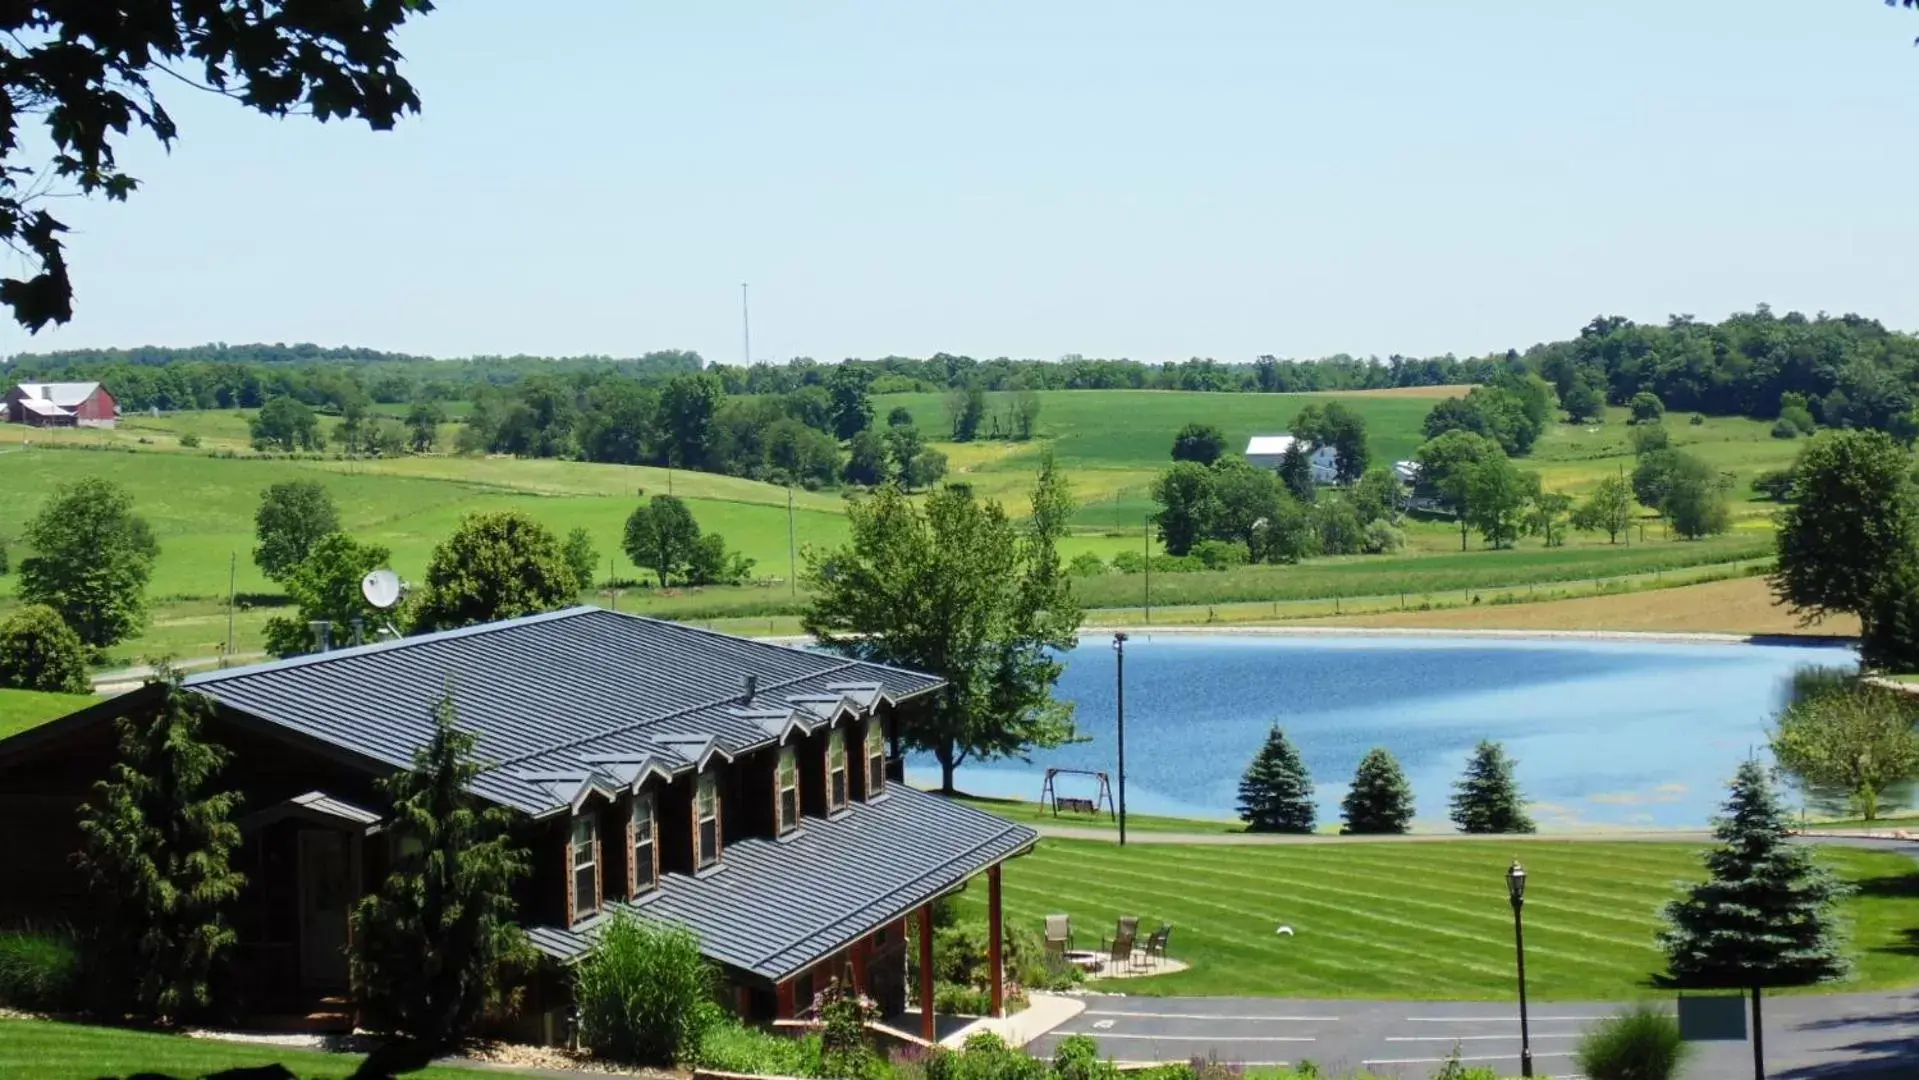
[
  {"x": 875, "y": 758},
  {"x": 707, "y": 821},
  {"x": 836, "y": 770},
  {"x": 789, "y": 781},
  {"x": 586, "y": 875},
  {"x": 645, "y": 868}
]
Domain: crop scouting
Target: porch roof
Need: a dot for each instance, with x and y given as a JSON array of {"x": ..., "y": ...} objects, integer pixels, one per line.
[{"x": 774, "y": 907}]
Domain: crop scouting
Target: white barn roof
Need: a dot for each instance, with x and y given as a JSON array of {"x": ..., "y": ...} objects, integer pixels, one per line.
[
  {"x": 1269, "y": 444},
  {"x": 66, "y": 395}
]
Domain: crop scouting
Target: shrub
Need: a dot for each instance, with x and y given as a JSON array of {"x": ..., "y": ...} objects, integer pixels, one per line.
[
  {"x": 1129, "y": 562},
  {"x": 1774, "y": 484},
  {"x": 645, "y": 994},
  {"x": 1086, "y": 564},
  {"x": 1784, "y": 429},
  {"x": 1646, "y": 408},
  {"x": 1381, "y": 538},
  {"x": 1221, "y": 554},
  {"x": 985, "y": 1057},
  {"x": 39, "y": 651},
  {"x": 1077, "y": 1058},
  {"x": 39, "y": 971},
  {"x": 958, "y": 999},
  {"x": 730, "y": 1046},
  {"x": 1698, "y": 419},
  {"x": 190, "y": 441},
  {"x": 1641, "y": 1043},
  {"x": 845, "y": 1050},
  {"x": 1454, "y": 1069}
]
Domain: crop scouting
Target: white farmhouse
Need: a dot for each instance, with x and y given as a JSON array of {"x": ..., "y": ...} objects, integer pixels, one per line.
[{"x": 1266, "y": 451}]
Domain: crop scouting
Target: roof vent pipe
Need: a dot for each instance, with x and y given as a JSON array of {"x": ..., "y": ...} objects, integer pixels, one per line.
[
  {"x": 322, "y": 631},
  {"x": 749, "y": 685}
]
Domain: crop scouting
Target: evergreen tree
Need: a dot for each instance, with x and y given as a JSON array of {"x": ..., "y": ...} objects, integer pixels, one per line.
[
  {"x": 1380, "y": 800},
  {"x": 1276, "y": 794},
  {"x": 1765, "y": 916},
  {"x": 159, "y": 836},
  {"x": 433, "y": 944},
  {"x": 1486, "y": 799}
]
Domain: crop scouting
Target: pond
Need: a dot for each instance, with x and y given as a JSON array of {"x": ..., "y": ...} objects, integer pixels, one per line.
[{"x": 1607, "y": 733}]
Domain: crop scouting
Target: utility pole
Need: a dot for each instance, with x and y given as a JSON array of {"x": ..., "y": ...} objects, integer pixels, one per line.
[
  {"x": 1149, "y": 571},
  {"x": 746, "y": 329},
  {"x": 233, "y": 564},
  {"x": 1119, "y": 687},
  {"x": 792, "y": 549}
]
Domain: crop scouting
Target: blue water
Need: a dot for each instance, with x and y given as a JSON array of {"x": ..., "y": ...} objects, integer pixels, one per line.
[{"x": 1606, "y": 733}]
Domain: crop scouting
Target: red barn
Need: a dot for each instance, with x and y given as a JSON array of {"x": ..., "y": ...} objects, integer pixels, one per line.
[{"x": 61, "y": 404}]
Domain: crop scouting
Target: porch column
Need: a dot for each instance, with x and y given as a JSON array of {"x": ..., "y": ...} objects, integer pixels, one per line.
[
  {"x": 860, "y": 951},
  {"x": 927, "y": 1031},
  {"x": 784, "y": 1007},
  {"x": 995, "y": 966}
]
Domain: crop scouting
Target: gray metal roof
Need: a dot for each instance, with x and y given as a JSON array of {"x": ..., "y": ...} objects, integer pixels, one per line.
[
  {"x": 563, "y": 703},
  {"x": 776, "y": 906}
]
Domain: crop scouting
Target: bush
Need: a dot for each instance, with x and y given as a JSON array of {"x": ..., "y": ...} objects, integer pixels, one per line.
[
  {"x": 985, "y": 1057},
  {"x": 958, "y": 999},
  {"x": 1641, "y": 1043},
  {"x": 1086, "y": 564},
  {"x": 1774, "y": 484},
  {"x": 39, "y": 651},
  {"x": 846, "y": 1053},
  {"x": 190, "y": 441},
  {"x": 1784, "y": 429},
  {"x": 1646, "y": 408},
  {"x": 1221, "y": 554},
  {"x": 730, "y": 1046},
  {"x": 1698, "y": 420},
  {"x": 1129, "y": 562},
  {"x": 1381, "y": 538},
  {"x": 645, "y": 994},
  {"x": 1077, "y": 1058},
  {"x": 39, "y": 971}
]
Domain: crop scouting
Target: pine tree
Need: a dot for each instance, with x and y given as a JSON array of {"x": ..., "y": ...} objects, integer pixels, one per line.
[
  {"x": 1380, "y": 800},
  {"x": 433, "y": 945},
  {"x": 1764, "y": 918},
  {"x": 1486, "y": 799},
  {"x": 1276, "y": 795},
  {"x": 159, "y": 838}
]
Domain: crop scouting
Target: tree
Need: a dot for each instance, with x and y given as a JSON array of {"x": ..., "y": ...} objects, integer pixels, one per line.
[
  {"x": 292, "y": 517},
  {"x": 954, "y": 587},
  {"x": 423, "y": 422},
  {"x": 688, "y": 404},
  {"x": 1546, "y": 515},
  {"x": 287, "y": 424},
  {"x": 1376, "y": 497},
  {"x": 433, "y": 945},
  {"x": 1345, "y": 431},
  {"x": 159, "y": 840},
  {"x": 1860, "y": 739},
  {"x": 925, "y": 470},
  {"x": 1486, "y": 799},
  {"x": 1646, "y": 408},
  {"x": 325, "y": 587},
  {"x": 1649, "y": 437},
  {"x": 38, "y": 651},
  {"x": 1851, "y": 527},
  {"x": 87, "y": 80},
  {"x": 852, "y": 402},
  {"x": 1296, "y": 471},
  {"x": 1026, "y": 405},
  {"x": 1583, "y": 402},
  {"x": 1380, "y": 800},
  {"x": 903, "y": 443},
  {"x": 899, "y": 416},
  {"x": 1653, "y": 477},
  {"x": 1188, "y": 506},
  {"x": 1496, "y": 495},
  {"x": 711, "y": 564},
  {"x": 804, "y": 454},
  {"x": 1338, "y": 528},
  {"x": 661, "y": 535},
  {"x": 866, "y": 463},
  {"x": 1764, "y": 918},
  {"x": 92, "y": 558},
  {"x": 495, "y": 566},
  {"x": 1245, "y": 502},
  {"x": 1276, "y": 794},
  {"x": 1445, "y": 462},
  {"x": 965, "y": 409},
  {"x": 1203, "y": 443},
  {"x": 1695, "y": 501},
  {"x": 1609, "y": 509},
  {"x": 581, "y": 557}
]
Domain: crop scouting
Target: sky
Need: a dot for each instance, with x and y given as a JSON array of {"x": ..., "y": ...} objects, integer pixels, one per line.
[{"x": 1221, "y": 178}]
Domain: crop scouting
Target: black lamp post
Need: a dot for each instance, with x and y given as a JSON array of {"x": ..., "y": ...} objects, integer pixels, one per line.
[
  {"x": 1516, "y": 887},
  {"x": 1119, "y": 697}
]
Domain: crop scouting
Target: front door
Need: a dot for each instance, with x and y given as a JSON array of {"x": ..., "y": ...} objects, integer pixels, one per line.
[{"x": 325, "y": 888}]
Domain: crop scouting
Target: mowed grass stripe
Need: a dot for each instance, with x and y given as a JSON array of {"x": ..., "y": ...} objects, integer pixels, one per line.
[{"x": 1390, "y": 909}]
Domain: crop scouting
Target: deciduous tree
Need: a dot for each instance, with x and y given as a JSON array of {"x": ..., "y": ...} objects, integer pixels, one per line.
[
  {"x": 1496, "y": 495},
  {"x": 1851, "y": 526},
  {"x": 1646, "y": 408},
  {"x": 866, "y": 460},
  {"x": 159, "y": 841},
  {"x": 1486, "y": 799},
  {"x": 661, "y": 535},
  {"x": 1276, "y": 794},
  {"x": 1188, "y": 506},
  {"x": 39, "y": 651},
  {"x": 581, "y": 557},
  {"x": 1380, "y": 800},
  {"x": 1859, "y": 739},
  {"x": 1203, "y": 443},
  {"x": 954, "y": 587},
  {"x": 1609, "y": 509},
  {"x": 292, "y": 517},
  {"x": 434, "y": 944},
  {"x": 286, "y": 424},
  {"x": 325, "y": 587},
  {"x": 92, "y": 558},
  {"x": 495, "y": 566}
]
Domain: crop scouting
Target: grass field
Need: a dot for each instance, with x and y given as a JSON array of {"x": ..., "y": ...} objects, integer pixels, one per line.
[
  {"x": 43, "y": 1050},
  {"x": 1032, "y": 813},
  {"x": 1591, "y": 914},
  {"x": 22, "y": 709}
]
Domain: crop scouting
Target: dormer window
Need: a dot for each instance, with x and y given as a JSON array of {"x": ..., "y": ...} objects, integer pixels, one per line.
[
  {"x": 789, "y": 783},
  {"x": 586, "y": 870},
  {"x": 706, "y": 821},
  {"x": 645, "y": 862},
  {"x": 836, "y": 770},
  {"x": 875, "y": 759}
]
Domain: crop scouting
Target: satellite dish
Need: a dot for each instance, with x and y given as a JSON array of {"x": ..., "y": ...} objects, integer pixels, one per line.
[{"x": 381, "y": 588}]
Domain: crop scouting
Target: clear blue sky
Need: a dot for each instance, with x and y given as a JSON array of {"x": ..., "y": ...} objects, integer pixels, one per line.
[{"x": 1107, "y": 177}]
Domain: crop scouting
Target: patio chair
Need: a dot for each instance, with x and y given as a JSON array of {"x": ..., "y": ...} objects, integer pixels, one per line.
[
  {"x": 1059, "y": 928},
  {"x": 1119, "y": 950},
  {"x": 1156, "y": 944}
]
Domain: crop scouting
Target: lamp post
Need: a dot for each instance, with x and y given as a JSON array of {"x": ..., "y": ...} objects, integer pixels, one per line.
[
  {"x": 1119, "y": 697},
  {"x": 1516, "y": 888}
]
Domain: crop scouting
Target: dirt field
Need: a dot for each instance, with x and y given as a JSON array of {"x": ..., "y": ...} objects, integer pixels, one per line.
[{"x": 1739, "y": 606}]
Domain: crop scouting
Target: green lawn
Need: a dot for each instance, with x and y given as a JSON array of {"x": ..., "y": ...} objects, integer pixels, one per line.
[
  {"x": 22, "y": 709},
  {"x": 1415, "y": 919},
  {"x": 1032, "y": 813},
  {"x": 42, "y": 1050}
]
